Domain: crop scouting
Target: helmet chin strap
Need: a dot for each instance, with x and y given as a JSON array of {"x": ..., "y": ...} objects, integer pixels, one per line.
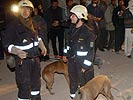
[{"x": 77, "y": 21}]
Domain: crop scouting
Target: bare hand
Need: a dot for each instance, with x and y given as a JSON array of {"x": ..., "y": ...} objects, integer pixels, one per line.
[
  {"x": 65, "y": 59},
  {"x": 55, "y": 23},
  {"x": 43, "y": 53}
]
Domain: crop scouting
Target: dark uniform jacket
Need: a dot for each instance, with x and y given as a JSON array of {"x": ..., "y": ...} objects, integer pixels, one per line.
[
  {"x": 80, "y": 45},
  {"x": 21, "y": 37}
]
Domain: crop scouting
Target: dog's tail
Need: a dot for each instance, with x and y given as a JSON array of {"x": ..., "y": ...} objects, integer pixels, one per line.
[{"x": 120, "y": 94}]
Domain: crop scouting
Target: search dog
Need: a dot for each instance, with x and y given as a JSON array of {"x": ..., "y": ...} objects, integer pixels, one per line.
[
  {"x": 98, "y": 85},
  {"x": 48, "y": 72}
]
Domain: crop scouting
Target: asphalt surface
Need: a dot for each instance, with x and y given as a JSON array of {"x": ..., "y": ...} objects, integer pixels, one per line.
[{"x": 117, "y": 67}]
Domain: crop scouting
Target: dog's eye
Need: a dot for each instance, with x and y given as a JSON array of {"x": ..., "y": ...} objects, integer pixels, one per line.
[{"x": 78, "y": 92}]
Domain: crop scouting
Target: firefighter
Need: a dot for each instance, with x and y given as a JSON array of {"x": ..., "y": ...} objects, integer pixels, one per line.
[
  {"x": 23, "y": 42},
  {"x": 80, "y": 49}
]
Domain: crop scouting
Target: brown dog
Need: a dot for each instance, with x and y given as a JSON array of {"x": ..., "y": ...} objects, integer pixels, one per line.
[
  {"x": 49, "y": 71},
  {"x": 98, "y": 85}
]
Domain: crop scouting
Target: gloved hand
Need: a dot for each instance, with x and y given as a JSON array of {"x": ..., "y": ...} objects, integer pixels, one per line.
[
  {"x": 20, "y": 53},
  {"x": 43, "y": 48}
]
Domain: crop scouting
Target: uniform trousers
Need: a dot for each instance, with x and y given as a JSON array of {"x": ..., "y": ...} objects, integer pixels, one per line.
[
  {"x": 78, "y": 78},
  {"x": 60, "y": 34},
  {"x": 28, "y": 78},
  {"x": 119, "y": 37},
  {"x": 111, "y": 40},
  {"x": 128, "y": 41},
  {"x": 102, "y": 38}
]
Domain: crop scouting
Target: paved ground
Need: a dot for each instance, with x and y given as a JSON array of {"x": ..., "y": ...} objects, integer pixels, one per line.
[{"x": 116, "y": 66}]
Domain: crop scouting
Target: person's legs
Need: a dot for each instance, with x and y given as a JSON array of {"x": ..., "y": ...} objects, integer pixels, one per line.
[
  {"x": 73, "y": 76},
  {"x": 117, "y": 40},
  {"x": 23, "y": 79},
  {"x": 61, "y": 41},
  {"x": 35, "y": 80},
  {"x": 89, "y": 74},
  {"x": 53, "y": 40},
  {"x": 102, "y": 39},
  {"x": 122, "y": 36},
  {"x": 111, "y": 39},
  {"x": 128, "y": 42}
]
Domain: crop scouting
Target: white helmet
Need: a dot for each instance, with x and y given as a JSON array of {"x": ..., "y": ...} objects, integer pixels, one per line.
[
  {"x": 80, "y": 11},
  {"x": 25, "y": 3}
]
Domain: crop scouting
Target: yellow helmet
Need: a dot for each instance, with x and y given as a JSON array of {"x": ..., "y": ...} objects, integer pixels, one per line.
[
  {"x": 80, "y": 11},
  {"x": 25, "y": 3}
]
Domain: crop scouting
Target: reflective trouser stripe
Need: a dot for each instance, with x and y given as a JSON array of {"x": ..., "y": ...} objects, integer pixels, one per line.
[{"x": 35, "y": 92}]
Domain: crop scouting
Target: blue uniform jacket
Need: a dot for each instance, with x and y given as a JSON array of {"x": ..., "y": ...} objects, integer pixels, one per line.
[{"x": 80, "y": 44}]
